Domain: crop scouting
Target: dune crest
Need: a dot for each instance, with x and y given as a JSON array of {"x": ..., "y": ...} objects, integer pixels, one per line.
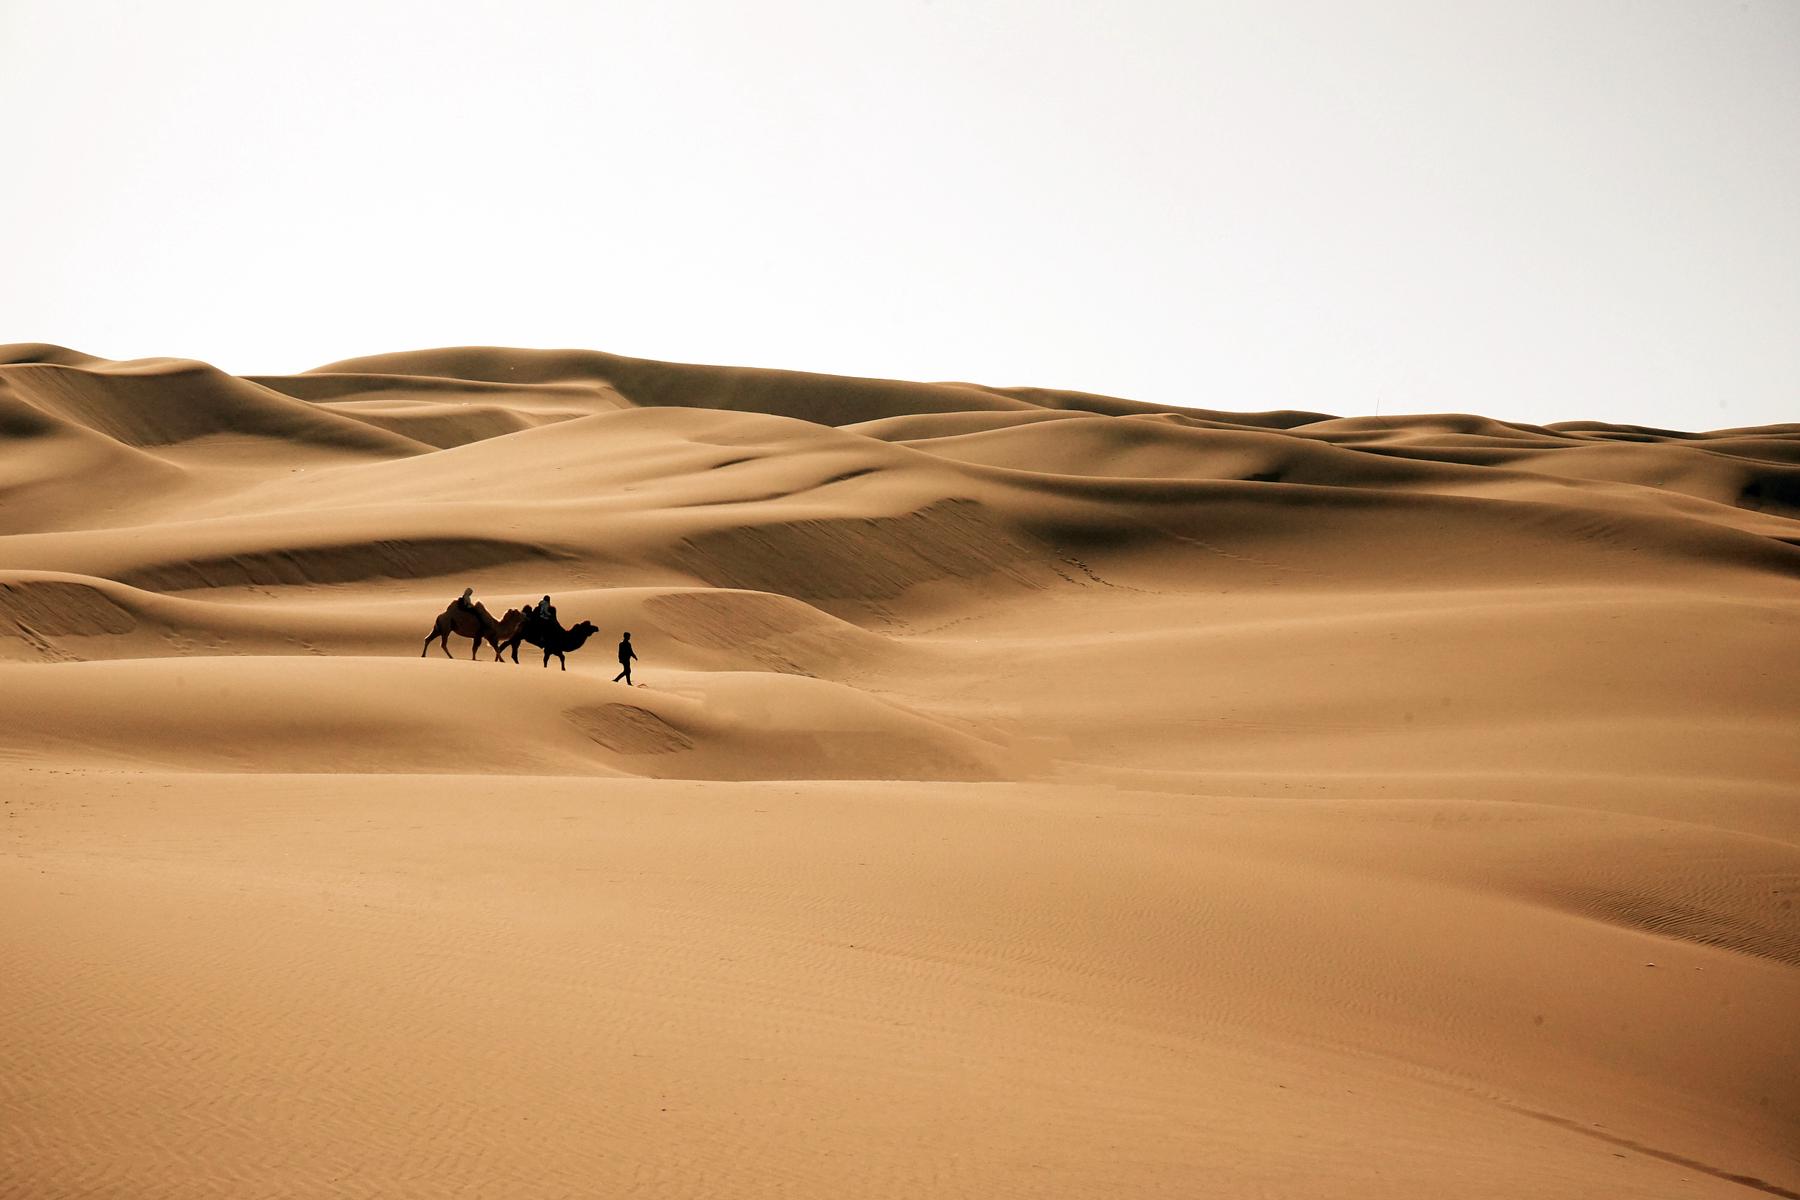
[{"x": 1028, "y": 793}]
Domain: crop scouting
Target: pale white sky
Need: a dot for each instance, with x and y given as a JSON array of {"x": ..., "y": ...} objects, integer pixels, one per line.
[{"x": 1534, "y": 210}]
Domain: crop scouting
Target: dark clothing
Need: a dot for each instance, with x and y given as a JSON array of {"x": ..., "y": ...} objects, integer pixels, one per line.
[{"x": 626, "y": 654}]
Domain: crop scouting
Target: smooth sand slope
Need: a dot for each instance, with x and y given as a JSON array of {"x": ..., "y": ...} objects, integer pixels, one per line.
[{"x": 1029, "y": 793}]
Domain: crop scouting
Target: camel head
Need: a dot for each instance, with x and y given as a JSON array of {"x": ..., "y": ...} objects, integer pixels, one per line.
[{"x": 581, "y": 633}]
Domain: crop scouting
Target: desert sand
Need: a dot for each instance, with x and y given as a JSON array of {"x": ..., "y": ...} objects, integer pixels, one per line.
[{"x": 1027, "y": 794}]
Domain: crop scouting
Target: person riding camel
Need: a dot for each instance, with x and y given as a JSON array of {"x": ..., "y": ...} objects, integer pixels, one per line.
[
  {"x": 545, "y": 611},
  {"x": 466, "y": 601}
]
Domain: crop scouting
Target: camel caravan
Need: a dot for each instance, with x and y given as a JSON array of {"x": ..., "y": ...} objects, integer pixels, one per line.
[{"x": 537, "y": 625}]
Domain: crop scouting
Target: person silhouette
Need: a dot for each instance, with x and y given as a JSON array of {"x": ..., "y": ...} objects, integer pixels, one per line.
[
  {"x": 466, "y": 601},
  {"x": 545, "y": 611},
  {"x": 626, "y": 654}
]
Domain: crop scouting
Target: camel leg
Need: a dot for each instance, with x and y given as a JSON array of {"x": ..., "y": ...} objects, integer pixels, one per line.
[
  {"x": 426, "y": 648},
  {"x": 474, "y": 647},
  {"x": 443, "y": 641},
  {"x": 546, "y": 658}
]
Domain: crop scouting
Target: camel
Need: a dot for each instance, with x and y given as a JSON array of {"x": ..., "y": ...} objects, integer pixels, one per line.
[
  {"x": 552, "y": 639},
  {"x": 478, "y": 626}
]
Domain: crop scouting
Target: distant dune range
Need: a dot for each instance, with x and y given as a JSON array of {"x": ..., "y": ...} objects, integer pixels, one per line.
[{"x": 1031, "y": 794}]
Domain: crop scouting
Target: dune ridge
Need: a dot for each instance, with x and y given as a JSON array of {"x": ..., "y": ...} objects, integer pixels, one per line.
[{"x": 1029, "y": 793}]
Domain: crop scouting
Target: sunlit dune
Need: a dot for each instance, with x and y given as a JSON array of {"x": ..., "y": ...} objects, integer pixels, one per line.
[{"x": 1024, "y": 793}]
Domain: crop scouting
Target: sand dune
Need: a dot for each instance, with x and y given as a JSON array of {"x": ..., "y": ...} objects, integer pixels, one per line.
[{"x": 1029, "y": 793}]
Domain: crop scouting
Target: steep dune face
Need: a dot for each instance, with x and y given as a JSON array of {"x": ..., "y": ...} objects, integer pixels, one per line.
[{"x": 1027, "y": 792}]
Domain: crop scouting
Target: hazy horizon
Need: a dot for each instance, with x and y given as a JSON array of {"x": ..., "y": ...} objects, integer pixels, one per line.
[{"x": 1535, "y": 212}]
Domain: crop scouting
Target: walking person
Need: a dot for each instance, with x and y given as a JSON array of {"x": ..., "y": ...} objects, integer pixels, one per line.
[{"x": 626, "y": 654}]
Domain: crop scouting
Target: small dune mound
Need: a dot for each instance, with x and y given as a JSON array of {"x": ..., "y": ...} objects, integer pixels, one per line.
[
  {"x": 766, "y": 631},
  {"x": 722, "y": 620},
  {"x": 869, "y": 560},
  {"x": 745, "y": 725},
  {"x": 627, "y": 729}
]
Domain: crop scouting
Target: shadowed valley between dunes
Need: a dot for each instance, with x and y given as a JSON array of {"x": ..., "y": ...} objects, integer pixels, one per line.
[{"x": 1029, "y": 793}]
